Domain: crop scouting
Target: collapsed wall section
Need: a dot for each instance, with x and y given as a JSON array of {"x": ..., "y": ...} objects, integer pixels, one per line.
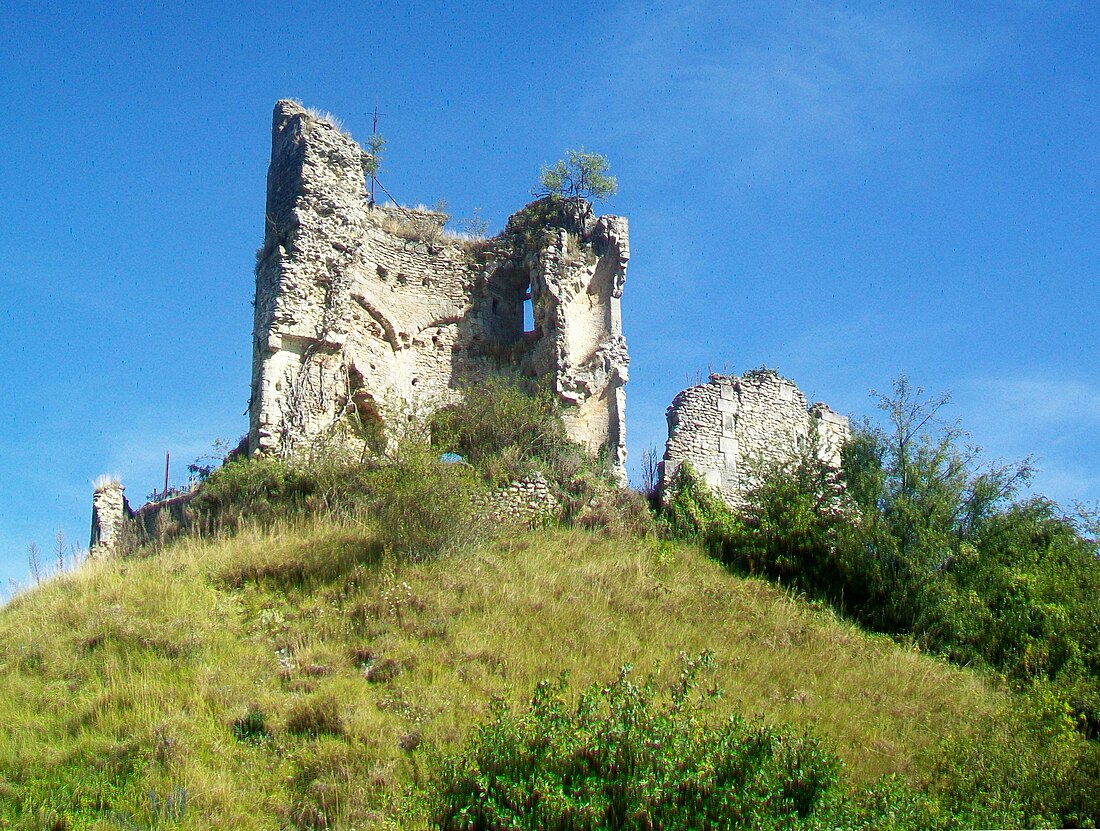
[
  {"x": 732, "y": 429},
  {"x": 364, "y": 314}
]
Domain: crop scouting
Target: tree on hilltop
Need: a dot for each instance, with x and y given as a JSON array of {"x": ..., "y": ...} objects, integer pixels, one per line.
[{"x": 579, "y": 174}]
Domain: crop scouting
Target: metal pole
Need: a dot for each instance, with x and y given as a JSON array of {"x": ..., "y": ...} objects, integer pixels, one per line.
[
  {"x": 167, "y": 456},
  {"x": 374, "y": 132}
]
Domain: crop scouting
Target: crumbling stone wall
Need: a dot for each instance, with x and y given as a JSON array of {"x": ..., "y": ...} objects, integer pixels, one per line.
[
  {"x": 110, "y": 515},
  {"x": 732, "y": 428},
  {"x": 117, "y": 528},
  {"x": 364, "y": 312}
]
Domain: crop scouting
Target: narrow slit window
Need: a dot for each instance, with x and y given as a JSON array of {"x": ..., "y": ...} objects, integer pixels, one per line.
[{"x": 528, "y": 313}]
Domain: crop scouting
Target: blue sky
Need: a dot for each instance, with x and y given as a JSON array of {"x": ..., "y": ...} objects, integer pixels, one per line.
[{"x": 840, "y": 191}]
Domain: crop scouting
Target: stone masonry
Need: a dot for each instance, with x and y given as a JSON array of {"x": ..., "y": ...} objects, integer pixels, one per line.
[
  {"x": 110, "y": 513},
  {"x": 364, "y": 314},
  {"x": 528, "y": 502},
  {"x": 732, "y": 428}
]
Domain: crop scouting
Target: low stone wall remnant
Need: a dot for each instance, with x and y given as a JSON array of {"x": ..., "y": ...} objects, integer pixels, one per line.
[
  {"x": 732, "y": 428},
  {"x": 527, "y": 503}
]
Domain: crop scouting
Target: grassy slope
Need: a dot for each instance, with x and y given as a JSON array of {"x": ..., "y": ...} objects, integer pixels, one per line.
[{"x": 127, "y": 677}]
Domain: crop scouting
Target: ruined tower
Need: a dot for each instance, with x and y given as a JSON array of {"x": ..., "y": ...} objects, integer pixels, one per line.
[{"x": 363, "y": 312}]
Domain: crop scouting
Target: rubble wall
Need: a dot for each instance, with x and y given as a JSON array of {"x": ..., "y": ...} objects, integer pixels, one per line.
[
  {"x": 363, "y": 312},
  {"x": 110, "y": 515},
  {"x": 733, "y": 428}
]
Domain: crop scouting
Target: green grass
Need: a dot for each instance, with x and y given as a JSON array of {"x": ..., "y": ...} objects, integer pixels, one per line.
[{"x": 350, "y": 670}]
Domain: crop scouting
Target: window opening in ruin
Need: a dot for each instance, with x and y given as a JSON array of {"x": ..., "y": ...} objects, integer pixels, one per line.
[{"x": 528, "y": 312}]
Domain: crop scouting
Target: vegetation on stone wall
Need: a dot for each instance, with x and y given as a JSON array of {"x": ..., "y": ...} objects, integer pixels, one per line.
[
  {"x": 508, "y": 429},
  {"x": 579, "y": 175}
]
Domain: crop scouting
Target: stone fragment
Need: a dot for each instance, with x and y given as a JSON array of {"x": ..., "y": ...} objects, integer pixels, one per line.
[{"x": 110, "y": 513}]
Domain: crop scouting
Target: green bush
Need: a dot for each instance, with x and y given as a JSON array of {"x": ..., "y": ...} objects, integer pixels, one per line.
[
  {"x": 693, "y": 511},
  {"x": 422, "y": 507},
  {"x": 1027, "y": 767},
  {"x": 418, "y": 505},
  {"x": 507, "y": 432},
  {"x": 259, "y": 488},
  {"x": 629, "y": 757},
  {"x": 788, "y": 528}
]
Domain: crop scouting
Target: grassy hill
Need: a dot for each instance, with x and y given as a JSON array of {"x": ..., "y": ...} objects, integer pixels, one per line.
[{"x": 297, "y": 677}]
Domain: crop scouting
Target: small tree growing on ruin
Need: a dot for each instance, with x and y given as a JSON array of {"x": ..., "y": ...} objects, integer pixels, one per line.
[
  {"x": 579, "y": 174},
  {"x": 372, "y": 162}
]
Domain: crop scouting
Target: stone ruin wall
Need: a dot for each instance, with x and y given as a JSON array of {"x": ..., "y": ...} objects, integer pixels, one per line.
[
  {"x": 363, "y": 313},
  {"x": 117, "y": 528},
  {"x": 366, "y": 313},
  {"x": 732, "y": 428},
  {"x": 110, "y": 513}
]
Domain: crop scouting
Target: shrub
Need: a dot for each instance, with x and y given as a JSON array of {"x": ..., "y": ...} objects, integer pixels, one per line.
[
  {"x": 419, "y": 506},
  {"x": 631, "y": 757},
  {"x": 620, "y": 759},
  {"x": 1025, "y": 767},
  {"x": 507, "y": 432},
  {"x": 594, "y": 502},
  {"x": 422, "y": 507},
  {"x": 692, "y": 511},
  {"x": 787, "y": 527},
  {"x": 259, "y": 488}
]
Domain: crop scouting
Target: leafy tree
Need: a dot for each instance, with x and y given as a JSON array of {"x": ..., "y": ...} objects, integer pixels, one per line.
[
  {"x": 924, "y": 497},
  {"x": 579, "y": 175}
]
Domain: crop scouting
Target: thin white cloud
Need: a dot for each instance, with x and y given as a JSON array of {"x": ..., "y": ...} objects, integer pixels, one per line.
[
  {"x": 1050, "y": 418},
  {"x": 804, "y": 79},
  {"x": 1031, "y": 403}
]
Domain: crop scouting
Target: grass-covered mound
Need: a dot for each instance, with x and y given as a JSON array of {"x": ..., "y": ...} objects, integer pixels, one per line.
[
  {"x": 349, "y": 641},
  {"x": 296, "y": 677}
]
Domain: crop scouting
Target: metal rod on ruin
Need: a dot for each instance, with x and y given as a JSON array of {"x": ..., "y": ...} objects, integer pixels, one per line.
[{"x": 167, "y": 456}]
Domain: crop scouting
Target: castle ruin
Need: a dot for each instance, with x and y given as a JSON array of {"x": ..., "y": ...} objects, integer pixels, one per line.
[
  {"x": 366, "y": 315},
  {"x": 731, "y": 429},
  {"x": 365, "y": 311}
]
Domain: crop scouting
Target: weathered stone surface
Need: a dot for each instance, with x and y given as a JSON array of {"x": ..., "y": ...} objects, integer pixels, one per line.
[
  {"x": 110, "y": 514},
  {"x": 527, "y": 502},
  {"x": 365, "y": 312},
  {"x": 732, "y": 428}
]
